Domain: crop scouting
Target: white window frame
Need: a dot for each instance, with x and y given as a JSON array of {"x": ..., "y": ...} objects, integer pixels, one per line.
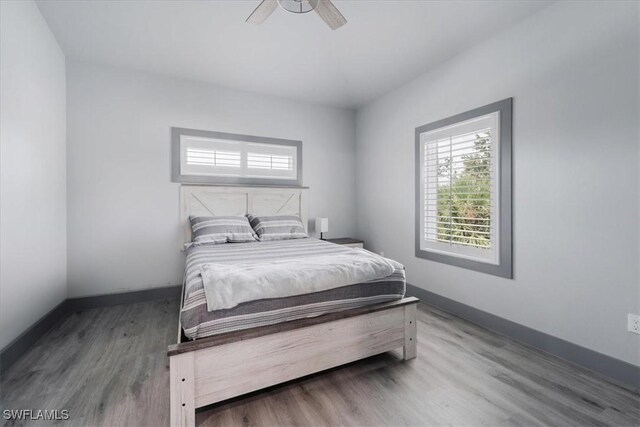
[
  {"x": 496, "y": 259},
  {"x": 271, "y": 150},
  {"x": 490, "y": 121},
  {"x": 182, "y": 172},
  {"x": 213, "y": 144}
]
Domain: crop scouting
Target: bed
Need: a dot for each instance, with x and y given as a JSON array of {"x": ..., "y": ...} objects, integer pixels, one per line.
[
  {"x": 225, "y": 353},
  {"x": 197, "y": 322}
]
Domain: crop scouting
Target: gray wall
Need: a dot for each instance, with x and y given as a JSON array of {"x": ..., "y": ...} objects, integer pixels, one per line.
[
  {"x": 573, "y": 72},
  {"x": 123, "y": 208},
  {"x": 33, "y": 257}
]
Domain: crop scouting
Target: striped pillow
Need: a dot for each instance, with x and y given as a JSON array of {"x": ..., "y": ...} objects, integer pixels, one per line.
[
  {"x": 277, "y": 227},
  {"x": 221, "y": 229}
]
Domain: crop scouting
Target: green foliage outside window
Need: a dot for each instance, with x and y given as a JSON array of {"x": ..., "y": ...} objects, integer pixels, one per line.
[{"x": 464, "y": 196}]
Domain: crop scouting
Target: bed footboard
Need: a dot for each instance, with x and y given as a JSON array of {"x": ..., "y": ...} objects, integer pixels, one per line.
[{"x": 214, "y": 369}]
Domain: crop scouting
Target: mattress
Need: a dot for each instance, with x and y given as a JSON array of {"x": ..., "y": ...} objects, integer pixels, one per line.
[{"x": 197, "y": 322}]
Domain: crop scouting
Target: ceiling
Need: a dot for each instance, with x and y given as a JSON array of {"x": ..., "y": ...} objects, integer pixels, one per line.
[{"x": 383, "y": 45}]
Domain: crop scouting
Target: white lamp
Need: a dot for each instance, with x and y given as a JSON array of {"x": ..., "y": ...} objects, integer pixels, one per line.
[{"x": 322, "y": 226}]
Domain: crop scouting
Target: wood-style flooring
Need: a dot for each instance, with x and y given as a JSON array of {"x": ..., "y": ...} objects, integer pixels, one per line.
[{"x": 108, "y": 367}]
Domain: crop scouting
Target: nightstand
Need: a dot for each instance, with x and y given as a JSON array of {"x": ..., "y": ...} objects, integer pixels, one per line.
[{"x": 347, "y": 241}]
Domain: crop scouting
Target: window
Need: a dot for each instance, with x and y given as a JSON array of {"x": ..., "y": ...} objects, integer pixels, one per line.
[
  {"x": 265, "y": 160},
  {"x": 207, "y": 156},
  {"x": 214, "y": 157},
  {"x": 463, "y": 200}
]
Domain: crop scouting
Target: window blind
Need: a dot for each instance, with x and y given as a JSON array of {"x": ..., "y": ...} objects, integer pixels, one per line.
[
  {"x": 270, "y": 161},
  {"x": 218, "y": 157},
  {"x": 459, "y": 171},
  {"x": 210, "y": 157},
  {"x": 265, "y": 160}
]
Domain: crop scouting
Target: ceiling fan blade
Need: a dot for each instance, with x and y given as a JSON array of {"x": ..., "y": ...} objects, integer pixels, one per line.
[
  {"x": 262, "y": 12},
  {"x": 330, "y": 14}
]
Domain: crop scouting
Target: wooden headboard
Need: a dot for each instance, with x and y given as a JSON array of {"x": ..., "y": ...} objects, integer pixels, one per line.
[{"x": 204, "y": 200}]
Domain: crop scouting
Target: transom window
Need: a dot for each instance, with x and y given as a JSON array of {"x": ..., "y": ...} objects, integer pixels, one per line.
[
  {"x": 459, "y": 177},
  {"x": 213, "y": 157},
  {"x": 207, "y": 156}
]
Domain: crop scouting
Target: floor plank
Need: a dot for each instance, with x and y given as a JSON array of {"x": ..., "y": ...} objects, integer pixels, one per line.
[{"x": 108, "y": 367}]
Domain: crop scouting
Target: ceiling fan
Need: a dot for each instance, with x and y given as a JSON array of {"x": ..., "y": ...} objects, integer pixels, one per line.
[{"x": 324, "y": 8}]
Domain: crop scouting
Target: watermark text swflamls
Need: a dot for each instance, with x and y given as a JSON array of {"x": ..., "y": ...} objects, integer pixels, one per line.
[{"x": 36, "y": 414}]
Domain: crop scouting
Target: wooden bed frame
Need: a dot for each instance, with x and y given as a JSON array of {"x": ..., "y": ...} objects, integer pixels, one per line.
[{"x": 213, "y": 369}]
